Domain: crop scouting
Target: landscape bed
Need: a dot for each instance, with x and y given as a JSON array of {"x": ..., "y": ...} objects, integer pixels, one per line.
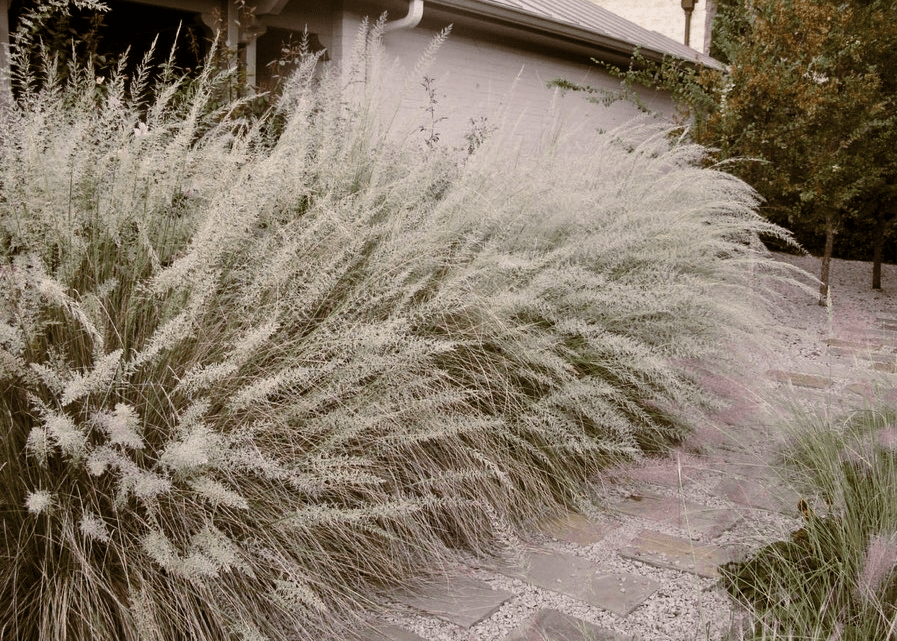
[{"x": 256, "y": 371}]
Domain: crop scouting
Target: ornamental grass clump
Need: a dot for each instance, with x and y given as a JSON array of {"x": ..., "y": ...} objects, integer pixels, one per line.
[
  {"x": 254, "y": 371},
  {"x": 836, "y": 578}
]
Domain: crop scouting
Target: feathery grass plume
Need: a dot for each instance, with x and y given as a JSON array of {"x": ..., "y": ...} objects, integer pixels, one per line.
[
  {"x": 62, "y": 431},
  {"x": 887, "y": 438},
  {"x": 265, "y": 371},
  {"x": 39, "y": 502},
  {"x": 95, "y": 381},
  {"x": 94, "y": 527},
  {"x": 195, "y": 450},
  {"x": 122, "y": 426},
  {"x": 218, "y": 493},
  {"x": 878, "y": 567}
]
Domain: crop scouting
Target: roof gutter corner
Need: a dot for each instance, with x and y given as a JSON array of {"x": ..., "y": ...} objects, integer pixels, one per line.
[{"x": 410, "y": 21}]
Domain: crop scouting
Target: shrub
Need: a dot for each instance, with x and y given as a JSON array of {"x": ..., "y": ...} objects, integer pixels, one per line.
[
  {"x": 250, "y": 377},
  {"x": 837, "y": 575}
]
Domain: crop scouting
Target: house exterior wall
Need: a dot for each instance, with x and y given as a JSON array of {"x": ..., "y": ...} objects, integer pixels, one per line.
[
  {"x": 667, "y": 17},
  {"x": 479, "y": 78},
  {"x": 475, "y": 77}
]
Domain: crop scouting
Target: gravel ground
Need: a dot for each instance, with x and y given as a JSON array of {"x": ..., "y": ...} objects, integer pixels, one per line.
[
  {"x": 687, "y": 607},
  {"x": 854, "y": 304}
]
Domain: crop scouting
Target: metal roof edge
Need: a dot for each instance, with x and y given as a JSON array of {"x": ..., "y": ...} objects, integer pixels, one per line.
[{"x": 564, "y": 30}]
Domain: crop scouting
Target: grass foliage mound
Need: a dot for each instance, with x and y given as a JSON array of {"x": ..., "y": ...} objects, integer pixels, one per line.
[
  {"x": 836, "y": 578},
  {"x": 252, "y": 371}
]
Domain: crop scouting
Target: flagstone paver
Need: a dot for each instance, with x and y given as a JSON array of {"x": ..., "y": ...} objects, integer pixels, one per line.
[
  {"x": 751, "y": 494},
  {"x": 887, "y": 337},
  {"x": 460, "y": 600},
  {"x": 584, "y": 580},
  {"x": 708, "y": 522},
  {"x": 832, "y": 370},
  {"x": 867, "y": 344},
  {"x": 666, "y": 474},
  {"x": 574, "y": 528},
  {"x": 870, "y": 393},
  {"x": 388, "y": 632},
  {"x": 758, "y": 487},
  {"x": 847, "y": 352},
  {"x": 551, "y": 625},
  {"x": 802, "y": 380},
  {"x": 675, "y": 553}
]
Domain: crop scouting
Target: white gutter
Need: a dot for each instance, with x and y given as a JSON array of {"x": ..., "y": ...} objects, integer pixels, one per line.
[{"x": 410, "y": 21}]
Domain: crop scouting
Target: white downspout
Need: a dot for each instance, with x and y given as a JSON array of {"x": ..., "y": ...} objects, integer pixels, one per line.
[{"x": 415, "y": 13}]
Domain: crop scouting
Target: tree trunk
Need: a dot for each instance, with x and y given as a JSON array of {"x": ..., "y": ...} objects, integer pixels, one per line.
[
  {"x": 827, "y": 256},
  {"x": 877, "y": 249}
]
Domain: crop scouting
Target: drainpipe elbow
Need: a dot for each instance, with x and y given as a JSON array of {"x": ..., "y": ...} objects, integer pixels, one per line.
[{"x": 410, "y": 21}]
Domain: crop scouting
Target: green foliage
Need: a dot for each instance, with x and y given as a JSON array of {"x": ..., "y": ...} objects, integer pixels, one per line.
[
  {"x": 693, "y": 88},
  {"x": 809, "y": 95},
  {"x": 730, "y": 27},
  {"x": 250, "y": 376},
  {"x": 837, "y": 575},
  {"x": 812, "y": 95}
]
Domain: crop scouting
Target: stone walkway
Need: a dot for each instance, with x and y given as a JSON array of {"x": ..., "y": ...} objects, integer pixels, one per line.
[{"x": 680, "y": 515}]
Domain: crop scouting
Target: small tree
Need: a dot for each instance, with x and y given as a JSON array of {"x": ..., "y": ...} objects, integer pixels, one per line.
[{"x": 808, "y": 92}]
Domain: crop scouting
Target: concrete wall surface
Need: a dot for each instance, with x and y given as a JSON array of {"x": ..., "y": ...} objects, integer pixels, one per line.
[{"x": 474, "y": 81}]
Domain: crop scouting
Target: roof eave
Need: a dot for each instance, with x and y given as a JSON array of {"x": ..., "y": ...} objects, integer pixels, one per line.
[{"x": 618, "y": 49}]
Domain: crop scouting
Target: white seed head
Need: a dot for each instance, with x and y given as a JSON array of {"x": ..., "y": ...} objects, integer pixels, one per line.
[
  {"x": 97, "y": 380},
  {"x": 66, "y": 434},
  {"x": 197, "y": 565},
  {"x": 196, "y": 450},
  {"x": 93, "y": 527},
  {"x": 38, "y": 444},
  {"x": 39, "y": 502},
  {"x": 122, "y": 426},
  {"x": 148, "y": 486},
  {"x": 218, "y": 494},
  {"x": 249, "y": 632},
  {"x": 297, "y": 593},
  {"x": 102, "y": 458},
  {"x": 160, "y": 549}
]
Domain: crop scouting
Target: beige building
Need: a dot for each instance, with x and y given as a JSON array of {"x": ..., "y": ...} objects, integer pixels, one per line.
[
  {"x": 495, "y": 65},
  {"x": 668, "y": 17}
]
